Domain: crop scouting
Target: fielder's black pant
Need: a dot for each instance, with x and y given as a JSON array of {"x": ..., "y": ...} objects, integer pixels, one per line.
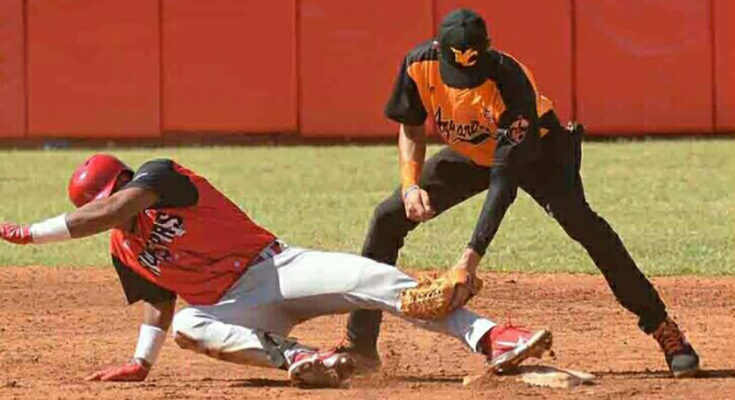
[{"x": 555, "y": 184}]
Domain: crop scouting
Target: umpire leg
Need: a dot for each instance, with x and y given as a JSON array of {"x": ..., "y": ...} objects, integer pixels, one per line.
[
  {"x": 561, "y": 194},
  {"x": 449, "y": 178}
]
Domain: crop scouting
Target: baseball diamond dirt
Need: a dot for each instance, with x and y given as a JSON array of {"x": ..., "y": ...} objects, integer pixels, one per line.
[{"x": 66, "y": 322}]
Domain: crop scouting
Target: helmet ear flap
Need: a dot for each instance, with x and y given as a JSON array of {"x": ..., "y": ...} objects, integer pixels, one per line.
[{"x": 122, "y": 179}]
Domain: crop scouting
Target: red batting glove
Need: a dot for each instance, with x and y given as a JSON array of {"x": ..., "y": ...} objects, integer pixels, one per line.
[
  {"x": 14, "y": 233},
  {"x": 132, "y": 371}
]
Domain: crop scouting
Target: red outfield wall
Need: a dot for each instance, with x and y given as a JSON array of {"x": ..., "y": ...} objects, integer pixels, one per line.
[
  {"x": 648, "y": 71},
  {"x": 93, "y": 68},
  {"x": 133, "y": 68},
  {"x": 349, "y": 54},
  {"x": 724, "y": 54},
  {"x": 229, "y": 65},
  {"x": 12, "y": 81}
]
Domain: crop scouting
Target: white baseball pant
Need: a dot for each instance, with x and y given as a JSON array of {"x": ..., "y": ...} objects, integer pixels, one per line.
[{"x": 298, "y": 284}]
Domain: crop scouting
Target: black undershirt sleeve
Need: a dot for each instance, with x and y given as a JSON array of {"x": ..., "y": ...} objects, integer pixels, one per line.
[
  {"x": 137, "y": 288},
  {"x": 500, "y": 196},
  {"x": 517, "y": 149},
  {"x": 404, "y": 105},
  {"x": 173, "y": 189}
]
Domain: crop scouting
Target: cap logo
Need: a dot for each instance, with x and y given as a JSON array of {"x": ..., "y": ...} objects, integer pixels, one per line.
[{"x": 465, "y": 58}]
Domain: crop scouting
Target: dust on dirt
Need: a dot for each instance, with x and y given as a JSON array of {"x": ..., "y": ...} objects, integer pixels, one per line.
[{"x": 60, "y": 324}]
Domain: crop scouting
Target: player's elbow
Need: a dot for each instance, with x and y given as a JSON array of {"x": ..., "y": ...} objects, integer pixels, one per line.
[
  {"x": 505, "y": 195},
  {"x": 112, "y": 214}
]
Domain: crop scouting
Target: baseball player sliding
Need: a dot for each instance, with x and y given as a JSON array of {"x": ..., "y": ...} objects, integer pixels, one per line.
[
  {"x": 173, "y": 234},
  {"x": 502, "y": 135}
]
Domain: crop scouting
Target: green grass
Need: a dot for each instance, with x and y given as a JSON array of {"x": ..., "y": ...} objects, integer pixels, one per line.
[{"x": 672, "y": 202}]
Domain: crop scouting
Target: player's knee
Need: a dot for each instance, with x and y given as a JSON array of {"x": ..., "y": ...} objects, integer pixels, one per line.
[
  {"x": 581, "y": 224},
  {"x": 389, "y": 214},
  {"x": 388, "y": 227},
  {"x": 187, "y": 325},
  {"x": 186, "y": 342},
  {"x": 573, "y": 227}
]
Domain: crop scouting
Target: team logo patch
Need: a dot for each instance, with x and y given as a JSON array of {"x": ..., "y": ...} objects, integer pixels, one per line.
[
  {"x": 465, "y": 58},
  {"x": 517, "y": 131}
]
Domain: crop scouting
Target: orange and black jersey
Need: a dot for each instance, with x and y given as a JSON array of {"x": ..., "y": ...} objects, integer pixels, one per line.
[{"x": 495, "y": 123}]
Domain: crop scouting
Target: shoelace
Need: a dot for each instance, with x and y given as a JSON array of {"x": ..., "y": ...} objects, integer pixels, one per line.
[
  {"x": 498, "y": 330},
  {"x": 669, "y": 337},
  {"x": 509, "y": 325}
]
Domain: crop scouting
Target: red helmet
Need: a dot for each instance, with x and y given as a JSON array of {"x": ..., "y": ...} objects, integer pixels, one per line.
[{"x": 95, "y": 178}]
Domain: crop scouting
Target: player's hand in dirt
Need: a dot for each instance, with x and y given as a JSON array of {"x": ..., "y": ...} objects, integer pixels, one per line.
[
  {"x": 132, "y": 371},
  {"x": 417, "y": 204},
  {"x": 14, "y": 233}
]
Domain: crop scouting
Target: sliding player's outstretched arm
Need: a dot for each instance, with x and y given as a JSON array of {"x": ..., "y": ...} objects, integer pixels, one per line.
[
  {"x": 95, "y": 217},
  {"x": 117, "y": 210}
]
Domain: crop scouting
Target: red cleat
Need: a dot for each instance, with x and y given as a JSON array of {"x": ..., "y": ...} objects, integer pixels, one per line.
[
  {"x": 311, "y": 368},
  {"x": 507, "y": 346}
]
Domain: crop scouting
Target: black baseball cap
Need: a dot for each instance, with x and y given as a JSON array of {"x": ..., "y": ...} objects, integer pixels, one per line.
[{"x": 463, "y": 43}]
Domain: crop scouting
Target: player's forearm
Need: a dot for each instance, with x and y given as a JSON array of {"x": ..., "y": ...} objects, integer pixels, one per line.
[
  {"x": 411, "y": 151},
  {"x": 114, "y": 211},
  {"x": 469, "y": 259},
  {"x": 95, "y": 217},
  {"x": 500, "y": 196}
]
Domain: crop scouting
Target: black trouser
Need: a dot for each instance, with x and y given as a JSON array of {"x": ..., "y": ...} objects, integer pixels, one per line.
[{"x": 555, "y": 184}]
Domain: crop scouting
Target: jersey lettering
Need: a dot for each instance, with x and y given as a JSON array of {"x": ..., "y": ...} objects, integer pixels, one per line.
[
  {"x": 472, "y": 132},
  {"x": 165, "y": 229}
]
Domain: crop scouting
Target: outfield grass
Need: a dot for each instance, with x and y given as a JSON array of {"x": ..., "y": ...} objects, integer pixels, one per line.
[{"x": 673, "y": 203}]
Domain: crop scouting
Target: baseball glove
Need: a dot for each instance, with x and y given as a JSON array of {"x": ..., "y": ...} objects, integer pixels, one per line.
[{"x": 436, "y": 297}]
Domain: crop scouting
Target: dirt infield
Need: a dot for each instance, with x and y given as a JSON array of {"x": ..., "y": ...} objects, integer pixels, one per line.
[{"x": 59, "y": 324}]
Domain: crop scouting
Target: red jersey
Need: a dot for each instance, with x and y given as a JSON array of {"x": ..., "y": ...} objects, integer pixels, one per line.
[{"x": 194, "y": 241}]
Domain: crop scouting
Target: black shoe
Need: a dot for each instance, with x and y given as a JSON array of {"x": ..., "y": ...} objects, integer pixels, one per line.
[
  {"x": 681, "y": 358},
  {"x": 366, "y": 359}
]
